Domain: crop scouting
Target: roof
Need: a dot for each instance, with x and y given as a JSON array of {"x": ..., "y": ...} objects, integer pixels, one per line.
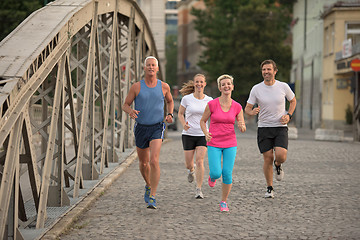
[{"x": 349, "y": 5}]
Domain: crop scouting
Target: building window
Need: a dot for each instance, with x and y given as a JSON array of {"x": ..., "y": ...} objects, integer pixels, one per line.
[
  {"x": 332, "y": 38},
  {"x": 327, "y": 39},
  {"x": 328, "y": 91},
  {"x": 171, "y": 4},
  {"x": 353, "y": 32}
]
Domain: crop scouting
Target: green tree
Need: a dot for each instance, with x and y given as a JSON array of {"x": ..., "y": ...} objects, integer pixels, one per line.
[
  {"x": 13, "y": 12},
  {"x": 171, "y": 59},
  {"x": 239, "y": 35}
]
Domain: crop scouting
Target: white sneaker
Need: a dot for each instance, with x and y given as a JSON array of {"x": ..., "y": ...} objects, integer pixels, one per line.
[
  {"x": 279, "y": 172},
  {"x": 269, "y": 193},
  {"x": 198, "y": 194},
  {"x": 191, "y": 176}
]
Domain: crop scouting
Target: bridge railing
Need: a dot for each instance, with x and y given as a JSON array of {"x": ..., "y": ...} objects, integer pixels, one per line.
[{"x": 71, "y": 62}]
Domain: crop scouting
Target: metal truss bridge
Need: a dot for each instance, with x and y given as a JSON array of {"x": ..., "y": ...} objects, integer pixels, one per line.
[{"x": 64, "y": 73}]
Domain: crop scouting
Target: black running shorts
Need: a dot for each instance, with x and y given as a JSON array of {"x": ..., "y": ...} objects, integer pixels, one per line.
[
  {"x": 191, "y": 142},
  {"x": 270, "y": 137}
]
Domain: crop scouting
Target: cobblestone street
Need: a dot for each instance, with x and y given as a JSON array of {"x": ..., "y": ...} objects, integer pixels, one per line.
[{"x": 318, "y": 198}]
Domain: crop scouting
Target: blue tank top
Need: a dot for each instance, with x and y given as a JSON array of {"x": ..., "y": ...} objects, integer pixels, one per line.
[{"x": 150, "y": 103}]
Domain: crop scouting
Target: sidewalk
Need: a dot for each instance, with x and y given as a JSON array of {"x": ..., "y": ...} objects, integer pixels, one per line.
[
  {"x": 57, "y": 217},
  {"x": 318, "y": 198}
]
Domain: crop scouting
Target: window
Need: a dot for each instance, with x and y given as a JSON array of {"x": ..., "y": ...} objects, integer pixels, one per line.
[
  {"x": 326, "y": 47},
  {"x": 171, "y": 4},
  {"x": 353, "y": 32},
  {"x": 331, "y": 38},
  {"x": 328, "y": 92}
]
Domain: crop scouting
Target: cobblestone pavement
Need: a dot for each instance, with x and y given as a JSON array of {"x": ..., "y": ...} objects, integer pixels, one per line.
[{"x": 318, "y": 198}]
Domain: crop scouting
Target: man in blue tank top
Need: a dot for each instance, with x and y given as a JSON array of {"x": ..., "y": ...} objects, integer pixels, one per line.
[{"x": 149, "y": 95}]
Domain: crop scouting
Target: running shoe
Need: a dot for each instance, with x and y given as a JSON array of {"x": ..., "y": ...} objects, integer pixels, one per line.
[
  {"x": 147, "y": 194},
  {"x": 279, "y": 172},
  {"x": 198, "y": 194},
  {"x": 191, "y": 176},
  {"x": 224, "y": 207},
  {"x": 152, "y": 203},
  {"x": 269, "y": 192},
  {"x": 211, "y": 182}
]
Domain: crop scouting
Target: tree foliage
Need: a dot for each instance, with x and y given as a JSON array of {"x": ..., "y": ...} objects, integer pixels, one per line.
[
  {"x": 239, "y": 35},
  {"x": 13, "y": 12}
]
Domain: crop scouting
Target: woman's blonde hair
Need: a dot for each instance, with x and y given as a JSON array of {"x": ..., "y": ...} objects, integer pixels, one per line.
[
  {"x": 189, "y": 87},
  {"x": 225, "y": 76}
]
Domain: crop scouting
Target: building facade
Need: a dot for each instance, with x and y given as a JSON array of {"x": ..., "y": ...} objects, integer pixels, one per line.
[
  {"x": 322, "y": 78},
  {"x": 341, "y": 45},
  {"x": 171, "y": 17},
  {"x": 306, "y": 72},
  {"x": 189, "y": 49},
  {"x": 154, "y": 11}
]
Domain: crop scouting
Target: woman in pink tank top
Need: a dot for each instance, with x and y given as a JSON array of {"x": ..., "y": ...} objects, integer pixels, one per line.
[{"x": 221, "y": 139}]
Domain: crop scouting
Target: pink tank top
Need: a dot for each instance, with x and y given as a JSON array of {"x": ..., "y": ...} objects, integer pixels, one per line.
[{"x": 222, "y": 124}]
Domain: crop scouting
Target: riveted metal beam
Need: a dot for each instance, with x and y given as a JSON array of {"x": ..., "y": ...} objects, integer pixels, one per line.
[{"x": 61, "y": 94}]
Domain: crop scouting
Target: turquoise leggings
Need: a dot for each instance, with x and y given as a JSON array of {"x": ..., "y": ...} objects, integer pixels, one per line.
[{"x": 214, "y": 158}]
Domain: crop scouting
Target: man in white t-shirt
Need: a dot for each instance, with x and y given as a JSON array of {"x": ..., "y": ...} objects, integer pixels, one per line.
[{"x": 272, "y": 136}]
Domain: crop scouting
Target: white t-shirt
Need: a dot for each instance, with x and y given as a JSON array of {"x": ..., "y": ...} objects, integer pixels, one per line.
[
  {"x": 271, "y": 100},
  {"x": 194, "y": 109}
]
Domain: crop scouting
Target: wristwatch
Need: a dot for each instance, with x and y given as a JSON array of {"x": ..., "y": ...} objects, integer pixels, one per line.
[
  {"x": 172, "y": 115},
  {"x": 290, "y": 115}
]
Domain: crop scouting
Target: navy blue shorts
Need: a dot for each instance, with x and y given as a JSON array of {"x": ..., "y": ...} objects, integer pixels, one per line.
[
  {"x": 145, "y": 133},
  {"x": 270, "y": 137}
]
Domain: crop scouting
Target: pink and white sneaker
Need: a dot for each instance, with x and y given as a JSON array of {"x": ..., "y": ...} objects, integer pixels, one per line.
[
  {"x": 224, "y": 207},
  {"x": 211, "y": 182}
]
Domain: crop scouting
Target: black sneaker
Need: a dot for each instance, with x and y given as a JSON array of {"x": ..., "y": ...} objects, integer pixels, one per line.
[
  {"x": 269, "y": 192},
  {"x": 198, "y": 194},
  {"x": 279, "y": 172}
]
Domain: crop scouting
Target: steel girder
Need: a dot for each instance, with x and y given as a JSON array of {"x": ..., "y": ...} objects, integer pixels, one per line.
[{"x": 60, "y": 100}]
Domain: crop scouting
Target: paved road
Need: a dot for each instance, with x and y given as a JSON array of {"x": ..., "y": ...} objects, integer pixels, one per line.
[{"x": 318, "y": 198}]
